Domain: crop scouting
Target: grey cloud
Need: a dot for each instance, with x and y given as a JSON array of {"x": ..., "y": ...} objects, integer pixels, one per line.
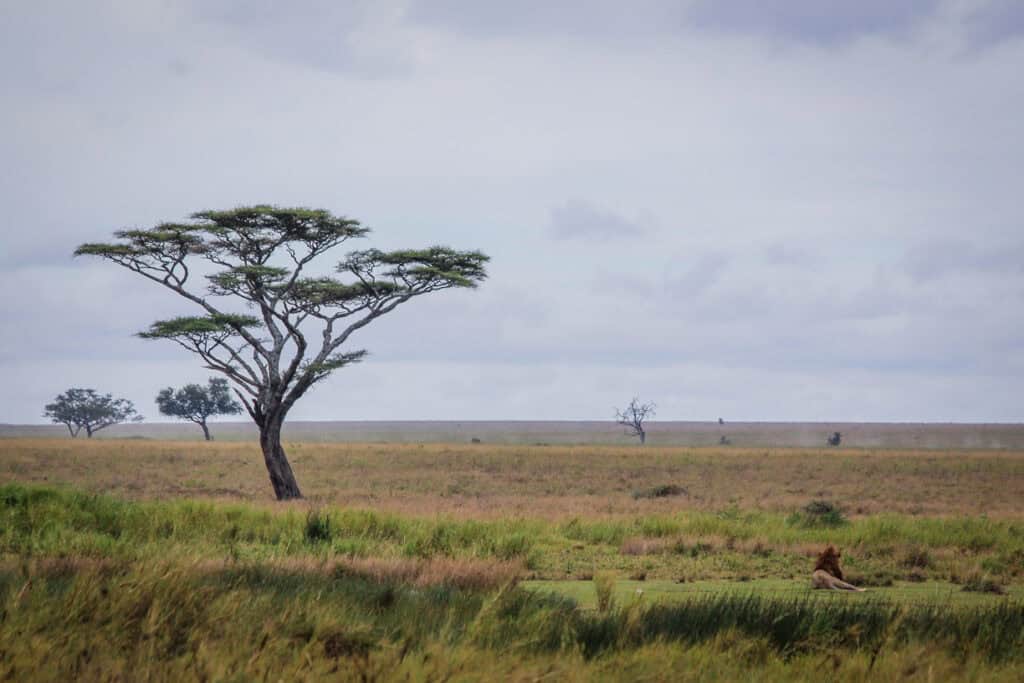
[
  {"x": 785, "y": 254},
  {"x": 811, "y": 21},
  {"x": 317, "y": 33},
  {"x": 85, "y": 311},
  {"x": 698, "y": 275},
  {"x": 994, "y": 22},
  {"x": 608, "y": 19},
  {"x": 121, "y": 117},
  {"x": 577, "y": 219},
  {"x": 932, "y": 261},
  {"x": 607, "y": 283},
  {"x": 804, "y": 21}
]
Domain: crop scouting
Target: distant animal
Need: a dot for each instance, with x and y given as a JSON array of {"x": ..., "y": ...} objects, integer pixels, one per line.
[
  {"x": 828, "y": 574},
  {"x": 835, "y": 439}
]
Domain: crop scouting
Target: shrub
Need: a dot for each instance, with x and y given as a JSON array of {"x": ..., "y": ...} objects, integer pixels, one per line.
[
  {"x": 977, "y": 582},
  {"x": 318, "y": 527},
  {"x": 818, "y": 513},
  {"x": 916, "y": 576},
  {"x": 917, "y": 557},
  {"x": 663, "y": 491}
]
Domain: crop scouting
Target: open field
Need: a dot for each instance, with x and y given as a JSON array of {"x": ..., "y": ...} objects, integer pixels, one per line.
[
  {"x": 127, "y": 559},
  {"x": 551, "y": 482},
  {"x": 664, "y": 433}
]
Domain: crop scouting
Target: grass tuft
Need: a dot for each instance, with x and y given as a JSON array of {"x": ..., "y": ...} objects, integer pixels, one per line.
[
  {"x": 318, "y": 527},
  {"x": 604, "y": 586}
]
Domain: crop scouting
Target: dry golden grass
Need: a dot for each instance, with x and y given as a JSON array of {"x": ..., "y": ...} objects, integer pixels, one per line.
[{"x": 551, "y": 482}]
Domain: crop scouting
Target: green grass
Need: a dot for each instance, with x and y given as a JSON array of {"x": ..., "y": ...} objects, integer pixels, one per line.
[
  {"x": 627, "y": 591},
  {"x": 66, "y": 522},
  {"x": 94, "y": 587},
  {"x": 173, "y": 621},
  {"x": 688, "y": 546}
]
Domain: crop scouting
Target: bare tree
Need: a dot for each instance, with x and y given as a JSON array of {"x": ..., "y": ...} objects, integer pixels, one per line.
[
  {"x": 632, "y": 418},
  {"x": 266, "y": 321}
]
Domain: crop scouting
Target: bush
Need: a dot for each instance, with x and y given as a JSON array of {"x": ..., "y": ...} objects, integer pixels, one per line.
[
  {"x": 982, "y": 583},
  {"x": 318, "y": 527},
  {"x": 663, "y": 491},
  {"x": 917, "y": 557},
  {"x": 818, "y": 513}
]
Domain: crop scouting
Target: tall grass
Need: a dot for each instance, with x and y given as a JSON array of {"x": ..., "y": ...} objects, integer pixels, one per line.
[
  {"x": 50, "y": 521},
  {"x": 47, "y": 521},
  {"x": 157, "y": 620},
  {"x": 92, "y": 587}
]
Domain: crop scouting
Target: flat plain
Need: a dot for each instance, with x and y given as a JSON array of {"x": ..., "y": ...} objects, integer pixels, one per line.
[
  {"x": 907, "y": 435},
  {"x": 578, "y": 561},
  {"x": 551, "y": 481}
]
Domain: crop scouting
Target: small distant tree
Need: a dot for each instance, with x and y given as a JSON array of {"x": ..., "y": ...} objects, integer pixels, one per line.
[
  {"x": 632, "y": 417},
  {"x": 834, "y": 439},
  {"x": 196, "y": 403},
  {"x": 80, "y": 409}
]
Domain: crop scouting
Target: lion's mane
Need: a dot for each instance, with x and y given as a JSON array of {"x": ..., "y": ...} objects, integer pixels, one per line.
[{"x": 829, "y": 562}]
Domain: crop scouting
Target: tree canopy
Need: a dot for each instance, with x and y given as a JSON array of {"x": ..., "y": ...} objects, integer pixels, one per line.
[
  {"x": 196, "y": 403},
  {"x": 80, "y": 409},
  {"x": 267, "y": 321}
]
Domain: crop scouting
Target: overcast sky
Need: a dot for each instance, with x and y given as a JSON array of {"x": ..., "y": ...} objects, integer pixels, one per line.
[{"x": 740, "y": 208}]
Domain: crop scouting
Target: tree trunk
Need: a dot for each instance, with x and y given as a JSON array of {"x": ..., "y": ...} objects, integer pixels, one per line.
[
  {"x": 643, "y": 437},
  {"x": 88, "y": 431},
  {"x": 206, "y": 431},
  {"x": 281, "y": 477}
]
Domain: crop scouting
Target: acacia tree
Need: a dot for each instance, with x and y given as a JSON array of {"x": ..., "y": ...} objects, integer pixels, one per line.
[
  {"x": 632, "y": 417},
  {"x": 297, "y": 324},
  {"x": 196, "y": 403},
  {"x": 80, "y": 409}
]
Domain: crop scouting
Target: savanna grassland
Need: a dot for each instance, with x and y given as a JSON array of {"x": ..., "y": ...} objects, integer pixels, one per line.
[{"x": 136, "y": 559}]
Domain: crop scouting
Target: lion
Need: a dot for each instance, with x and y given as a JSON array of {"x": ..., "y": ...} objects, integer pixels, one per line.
[{"x": 827, "y": 573}]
